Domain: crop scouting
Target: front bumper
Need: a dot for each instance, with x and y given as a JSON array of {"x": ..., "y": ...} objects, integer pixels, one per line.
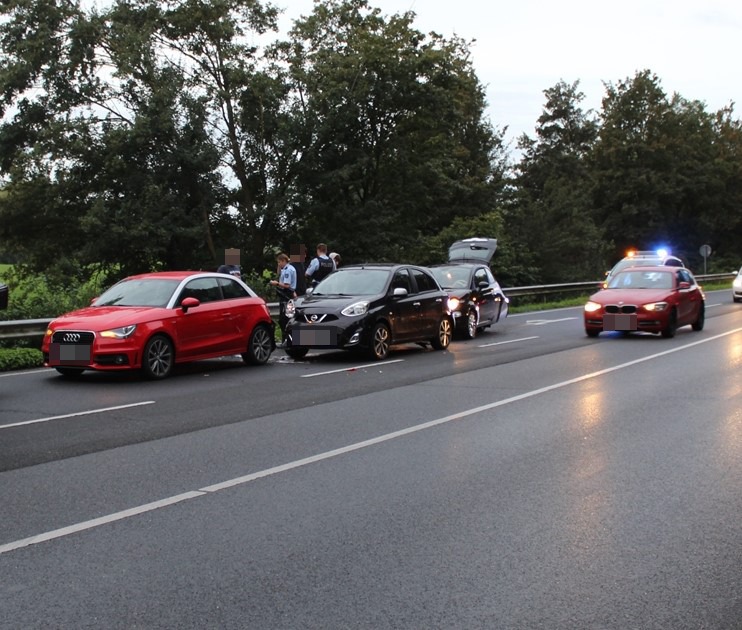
[
  {"x": 648, "y": 322},
  {"x": 352, "y": 334},
  {"x": 102, "y": 354}
]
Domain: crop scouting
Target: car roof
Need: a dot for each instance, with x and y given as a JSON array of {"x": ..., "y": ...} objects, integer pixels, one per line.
[
  {"x": 171, "y": 275},
  {"x": 381, "y": 265},
  {"x": 457, "y": 264},
  {"x": 476, "y": 249}
]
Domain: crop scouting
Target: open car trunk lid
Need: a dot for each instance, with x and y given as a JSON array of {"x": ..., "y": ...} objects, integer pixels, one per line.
[{"x": 472, "y": 250}]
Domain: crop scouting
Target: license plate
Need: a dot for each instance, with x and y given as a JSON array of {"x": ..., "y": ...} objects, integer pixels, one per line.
[
  {"x": 620, "y": 321},
  {"x": 314, "y": 336},
  {"x": 69, "y": 353}
]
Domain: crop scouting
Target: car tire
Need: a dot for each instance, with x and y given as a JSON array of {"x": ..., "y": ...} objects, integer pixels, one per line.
[
  {"x": 471, "y": 329},
  {"x": 443, "y": 338},
  {"x": 259, "y": 346},
  {"x": 700, "y": 320},
  {"x": 380, "y": 341},
  {"x": 70, "y": 372},
  {"x": 592, "y": 332},
  {"x": 158, "y": 358},
  {"x": 296, "y": 353},
  {"x": 672, "y": 325}
]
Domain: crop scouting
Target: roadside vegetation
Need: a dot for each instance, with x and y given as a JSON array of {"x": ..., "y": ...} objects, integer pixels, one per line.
[{"x": 145, "y": 135}]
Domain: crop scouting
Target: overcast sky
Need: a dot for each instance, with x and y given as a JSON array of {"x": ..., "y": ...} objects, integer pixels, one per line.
[{"x": 526, "y": 46}]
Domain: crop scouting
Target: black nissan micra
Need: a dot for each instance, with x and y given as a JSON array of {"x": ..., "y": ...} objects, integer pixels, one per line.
[{"x": 369, "y": 308}]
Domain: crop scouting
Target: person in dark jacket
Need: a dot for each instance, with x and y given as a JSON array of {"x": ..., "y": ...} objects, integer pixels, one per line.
[
  {"x": 298, "y": 258},
  {"x": 321, "y": 266}
]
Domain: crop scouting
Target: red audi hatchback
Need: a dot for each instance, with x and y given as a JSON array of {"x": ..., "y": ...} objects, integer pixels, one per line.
[
  {"x": 152, "y": 321},
  {"x": 652, "y": 299}
]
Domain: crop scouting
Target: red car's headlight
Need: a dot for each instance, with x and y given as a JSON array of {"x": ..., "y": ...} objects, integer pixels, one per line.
[
  {"x": 591, "y": 307},
  {"x": 119, "y": 333},
  {"x": 655, "y": 307}
]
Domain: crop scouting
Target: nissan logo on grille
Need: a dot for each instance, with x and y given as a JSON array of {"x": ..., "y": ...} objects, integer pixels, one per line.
[{"x": 71, "y": 337}]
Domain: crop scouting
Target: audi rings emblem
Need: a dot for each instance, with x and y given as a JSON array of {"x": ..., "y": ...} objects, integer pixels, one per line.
[{"x": 71, "y": 337}]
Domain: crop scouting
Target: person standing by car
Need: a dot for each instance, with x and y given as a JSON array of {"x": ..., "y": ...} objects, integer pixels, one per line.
[
  {"x": 336, "y": 259},
  {"x": 286, "y": 289},
  {"x": 231, "y": 263},
  {"x": 298, "y": 259},
  {"x": 321, "y": 266}
]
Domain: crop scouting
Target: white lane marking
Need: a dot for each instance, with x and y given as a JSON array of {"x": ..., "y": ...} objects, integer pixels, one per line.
[
  {"x": 39, "y": 371},
  {"x": 712, "y": 305},
  {"x": 352, "y": 369},
  {"x": 500, "y": 343},
  {"x": 97, "y": 522},
  {"x": 149, "y": 507},
  {"x": 541, "y": 322},
  {"x": 76, "y": 413}
]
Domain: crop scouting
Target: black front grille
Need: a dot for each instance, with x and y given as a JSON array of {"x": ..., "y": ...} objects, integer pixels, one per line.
[
  {"x": 73, "y": 336},
  {"x": 623, "y": 308},
  {"x": 317, "y": 318}
]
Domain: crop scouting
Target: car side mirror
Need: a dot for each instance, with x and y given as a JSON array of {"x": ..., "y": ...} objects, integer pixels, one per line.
[
  {"x": 683, "y": 286},
  {"x": 399, "y": 292},
  {"x": 309, "y": 291},
  {"x": 484, "y": 284},
  {"x": 189, "y": 302}
]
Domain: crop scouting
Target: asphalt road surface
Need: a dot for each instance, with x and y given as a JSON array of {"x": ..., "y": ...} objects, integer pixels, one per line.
[{"x": 529, "y": 478}]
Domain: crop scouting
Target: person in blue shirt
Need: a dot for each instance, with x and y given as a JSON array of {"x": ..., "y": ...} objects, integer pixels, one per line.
[
  {"x": 286, "y": 289},
  {"x": 320, "y": 266}
]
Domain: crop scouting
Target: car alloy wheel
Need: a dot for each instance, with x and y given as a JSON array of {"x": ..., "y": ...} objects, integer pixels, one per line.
[
  {"x": 158, "y": 357},
  {"x": 443, "y": 338},
  {"x": 380, "y": 341},
  {"x": 471, "y": 324},
  {"x": 259, "y": 347}
]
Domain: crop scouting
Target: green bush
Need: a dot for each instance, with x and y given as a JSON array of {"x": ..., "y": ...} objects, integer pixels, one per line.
[{"x": 20, "y": 359}]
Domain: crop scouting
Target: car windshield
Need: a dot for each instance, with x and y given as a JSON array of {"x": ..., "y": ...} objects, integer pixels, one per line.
[
  {"x": 139, "y": 292},
  {"x": 637, "y": 279},
  {"x": 359, "y": 281},
  {"x": 451, "y": 277}
]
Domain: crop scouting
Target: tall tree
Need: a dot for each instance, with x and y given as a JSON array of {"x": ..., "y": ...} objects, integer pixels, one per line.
[
  {"x": 552, "y": 216},
  {"x": 398, "y": 143},
  {"x": 667, "y": 171}
]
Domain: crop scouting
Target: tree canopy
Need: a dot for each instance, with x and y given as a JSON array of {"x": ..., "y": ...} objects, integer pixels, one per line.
[{"x": 156, "y": 134}]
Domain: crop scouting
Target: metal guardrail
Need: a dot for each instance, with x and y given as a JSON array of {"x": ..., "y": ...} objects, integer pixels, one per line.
[{"x": 21, "y": 328}]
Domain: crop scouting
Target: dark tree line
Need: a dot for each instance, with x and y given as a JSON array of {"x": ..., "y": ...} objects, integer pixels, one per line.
[{"x": 155, "y": 135}]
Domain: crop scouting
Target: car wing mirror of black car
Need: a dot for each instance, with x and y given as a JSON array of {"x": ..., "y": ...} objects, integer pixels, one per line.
[
  {"x": 399, "y": 292},
  {"x": 189, "y": 302},
  {"x": 484, "y": 284}
]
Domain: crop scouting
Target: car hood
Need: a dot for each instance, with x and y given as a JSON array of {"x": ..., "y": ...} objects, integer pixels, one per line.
[
  {"x": 330, "y": 303},
  {"x": 630, "y": 296},
  {"x": 106, "y": 317}
]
